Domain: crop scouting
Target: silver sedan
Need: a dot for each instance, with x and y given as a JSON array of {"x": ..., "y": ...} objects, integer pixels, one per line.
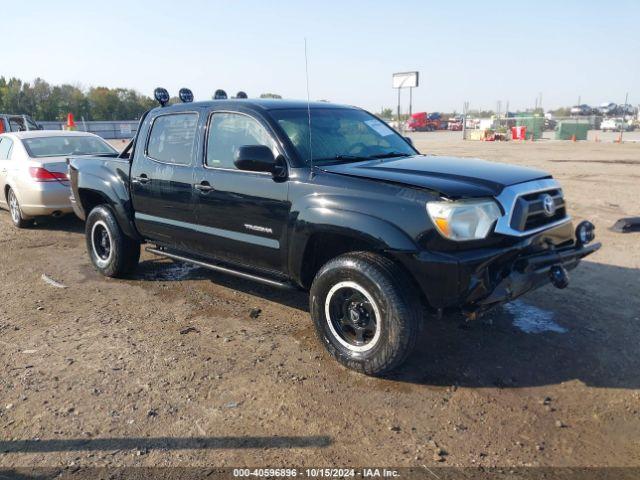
[{"x": 33, "y": 171}]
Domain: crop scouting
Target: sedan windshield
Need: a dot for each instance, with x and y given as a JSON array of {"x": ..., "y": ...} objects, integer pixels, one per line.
[
  {"x": 59, "y": 146},
  {"x": 340, "y": 135}
]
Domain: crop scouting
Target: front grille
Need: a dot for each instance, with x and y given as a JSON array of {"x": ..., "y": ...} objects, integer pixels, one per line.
[{"x": 529, "y": 212}]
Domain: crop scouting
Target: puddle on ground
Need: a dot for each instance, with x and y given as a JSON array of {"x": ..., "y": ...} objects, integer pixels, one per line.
[
  {"x": 532, "y": 319},
  {"x": 173, "y": 271}
]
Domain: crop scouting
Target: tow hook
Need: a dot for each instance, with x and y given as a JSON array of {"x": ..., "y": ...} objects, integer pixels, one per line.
[{"x": 559, "y": 276}]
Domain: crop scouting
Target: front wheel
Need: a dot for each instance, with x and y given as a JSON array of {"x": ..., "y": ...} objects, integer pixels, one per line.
[
  {"x": 111, "y": 251},
  {"x": 365, "y": 311}
]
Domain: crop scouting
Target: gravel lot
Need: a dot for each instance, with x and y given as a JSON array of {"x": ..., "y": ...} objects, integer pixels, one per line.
[{"x": 170, "y": 368}]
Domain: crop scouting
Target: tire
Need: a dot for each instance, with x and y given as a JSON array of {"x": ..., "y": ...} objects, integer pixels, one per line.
[
  {"x": 17, "y": 217},
  {"x": 377, "y": 289},
  {"x": 112, "y": 253}
]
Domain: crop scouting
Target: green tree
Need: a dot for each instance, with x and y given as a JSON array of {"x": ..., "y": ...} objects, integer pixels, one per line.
[
  {"x": 386, "y": 113},
  {"x": 270, "y": 95}
]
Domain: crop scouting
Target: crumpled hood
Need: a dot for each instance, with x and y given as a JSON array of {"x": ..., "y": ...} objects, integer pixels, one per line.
[{"x": 453, "y": 177}]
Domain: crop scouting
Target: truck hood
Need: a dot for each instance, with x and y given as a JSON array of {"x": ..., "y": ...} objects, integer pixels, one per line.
[{"x": 452, "y": 177}]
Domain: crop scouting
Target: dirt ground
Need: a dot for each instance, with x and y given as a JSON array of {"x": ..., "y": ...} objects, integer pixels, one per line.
[{"x": 169, "y": 367}]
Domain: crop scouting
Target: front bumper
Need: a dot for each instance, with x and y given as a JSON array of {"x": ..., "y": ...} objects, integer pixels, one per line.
[
  {"x": 478, "y": 279},
  {"x": 532, "y": 271}
]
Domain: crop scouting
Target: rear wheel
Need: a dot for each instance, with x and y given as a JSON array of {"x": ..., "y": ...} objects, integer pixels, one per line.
[
  {"x": 111, "y": 251},
  {"x": 366, "y": 312},
  {"x": 16, "y": 213}
]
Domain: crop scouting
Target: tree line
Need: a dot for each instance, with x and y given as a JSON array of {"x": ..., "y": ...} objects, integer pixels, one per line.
[{"x": 44, "y": 101}]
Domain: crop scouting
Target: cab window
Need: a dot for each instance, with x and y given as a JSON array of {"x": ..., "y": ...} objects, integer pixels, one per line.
[
  {"x": 230, "y": 131},
  {"x": 172, "y": 138}
]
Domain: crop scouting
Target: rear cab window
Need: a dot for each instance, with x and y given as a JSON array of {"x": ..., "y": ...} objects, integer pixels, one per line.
[{"x": 172, "y": 138}]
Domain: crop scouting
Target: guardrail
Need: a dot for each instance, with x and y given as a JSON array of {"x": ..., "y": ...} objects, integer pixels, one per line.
[{"x": 109, "y": 130}]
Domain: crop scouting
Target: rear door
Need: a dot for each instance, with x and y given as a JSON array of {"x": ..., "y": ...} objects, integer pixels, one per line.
[
  {"x": 162, "y": 180},
  {"x": 242, "y": 215}
]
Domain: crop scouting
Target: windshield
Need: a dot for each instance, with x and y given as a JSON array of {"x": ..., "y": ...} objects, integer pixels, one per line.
[
  {"x": 340, "y": 135},
  {"x": 60, "y": 146}
]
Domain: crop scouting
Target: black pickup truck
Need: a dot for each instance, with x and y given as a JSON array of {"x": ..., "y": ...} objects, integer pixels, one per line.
[{"x": 329, "y": 199}]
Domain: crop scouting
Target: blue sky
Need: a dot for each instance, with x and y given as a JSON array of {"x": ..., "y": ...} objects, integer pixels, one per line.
[{"x": 465, "y": 50}]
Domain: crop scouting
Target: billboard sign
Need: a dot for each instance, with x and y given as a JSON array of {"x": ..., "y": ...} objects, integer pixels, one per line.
[{"x": 405, "y": 80}]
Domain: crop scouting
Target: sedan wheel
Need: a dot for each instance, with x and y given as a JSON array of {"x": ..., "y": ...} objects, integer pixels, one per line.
[{"x": 16, "y": 215}]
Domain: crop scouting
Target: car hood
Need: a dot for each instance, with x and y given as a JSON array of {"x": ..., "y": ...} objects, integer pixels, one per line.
[{"x": 451, "y": 176}]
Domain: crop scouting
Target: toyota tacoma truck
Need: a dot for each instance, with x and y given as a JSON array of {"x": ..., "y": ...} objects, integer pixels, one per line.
[{"x": 331, "y": 200}]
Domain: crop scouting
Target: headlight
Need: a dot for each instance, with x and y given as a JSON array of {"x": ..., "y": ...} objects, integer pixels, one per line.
[{"x": 464, "y": 219}]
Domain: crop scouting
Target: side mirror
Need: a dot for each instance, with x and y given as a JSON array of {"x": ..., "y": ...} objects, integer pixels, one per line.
[
  {"x": 255, "y": 158},
  {"x": 408, "y": 139}
]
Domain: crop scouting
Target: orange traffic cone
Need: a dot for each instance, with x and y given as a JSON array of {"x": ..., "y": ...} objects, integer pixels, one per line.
[
  {"x": 71, "y": 125},
  {"x": 573, "y": 138},
  {"x": 597, "y": 139}
]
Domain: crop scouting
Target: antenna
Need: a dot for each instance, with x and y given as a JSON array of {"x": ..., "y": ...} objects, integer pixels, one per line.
[{"x": 306, "y": 71}]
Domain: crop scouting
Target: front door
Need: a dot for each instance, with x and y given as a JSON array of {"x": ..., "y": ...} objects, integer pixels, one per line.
[
  {"x": 243, "y": 214},
  {"x": 162, "y": 180}
]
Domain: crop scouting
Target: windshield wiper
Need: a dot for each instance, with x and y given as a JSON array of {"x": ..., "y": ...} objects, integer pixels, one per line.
[
  {"x": 364, "y": 158},
  {"x": 391, "y": 154},
  {"x": 344, "y": 158},
  {"x": 352, "y": 158}
]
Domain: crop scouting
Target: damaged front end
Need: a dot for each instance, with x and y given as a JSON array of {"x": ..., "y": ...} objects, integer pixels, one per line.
[
  {"x": 478, "y": 280},
  {"x": 518, "y": 272}
]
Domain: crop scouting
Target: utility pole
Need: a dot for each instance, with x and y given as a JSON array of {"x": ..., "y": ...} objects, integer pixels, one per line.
[
  {"x": 540, "y": 104},
  {"x": 465, "y": 109},
  {"x": 626, "y": 100},
  {"x": 410, "y": 101},
  {"x": 399, "y": 124}
]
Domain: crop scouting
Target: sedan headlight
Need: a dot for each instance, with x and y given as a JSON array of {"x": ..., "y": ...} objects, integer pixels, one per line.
[{"x": 464, "y": 219}]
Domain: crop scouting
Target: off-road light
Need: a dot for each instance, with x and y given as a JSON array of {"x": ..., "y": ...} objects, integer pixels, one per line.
[
  {"x": 161, "y": 95},
  {"x": 241, "y": 94},
  {"x": 585, "y": 232},
  {"x": 464, "y": 219},
  {"x": 185, "y": 95},
  {"x": 220, "y": 95}
]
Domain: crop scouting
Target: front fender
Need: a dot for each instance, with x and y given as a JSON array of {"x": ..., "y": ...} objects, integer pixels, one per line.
[{"x": 382, "y": 235}]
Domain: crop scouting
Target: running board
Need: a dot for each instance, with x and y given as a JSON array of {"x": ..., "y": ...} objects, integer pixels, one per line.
[{"x": 218, "y": 268}]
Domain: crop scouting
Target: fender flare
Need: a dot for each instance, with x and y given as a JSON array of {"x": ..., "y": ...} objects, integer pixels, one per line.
[
  {"x": 383, "y": 235},
  {"x": 112, "y": 187}
]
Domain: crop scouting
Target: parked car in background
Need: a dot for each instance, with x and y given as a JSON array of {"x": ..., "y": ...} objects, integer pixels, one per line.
[
  {"x": 583, "y": 109},
  {"x": 33, "y": 171},
  {"x": 17, "y": 123},
  {"x": 455, "y": 124},
  {"x": 626, "y": 110},
  {"x": 607, "y": 108},
  {"x": 615, "y": 125}
]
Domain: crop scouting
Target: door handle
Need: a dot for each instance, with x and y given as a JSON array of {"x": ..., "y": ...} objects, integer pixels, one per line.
[
  {"x": 141, "y": 179},
  {"x": 203, "y": 187}
]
